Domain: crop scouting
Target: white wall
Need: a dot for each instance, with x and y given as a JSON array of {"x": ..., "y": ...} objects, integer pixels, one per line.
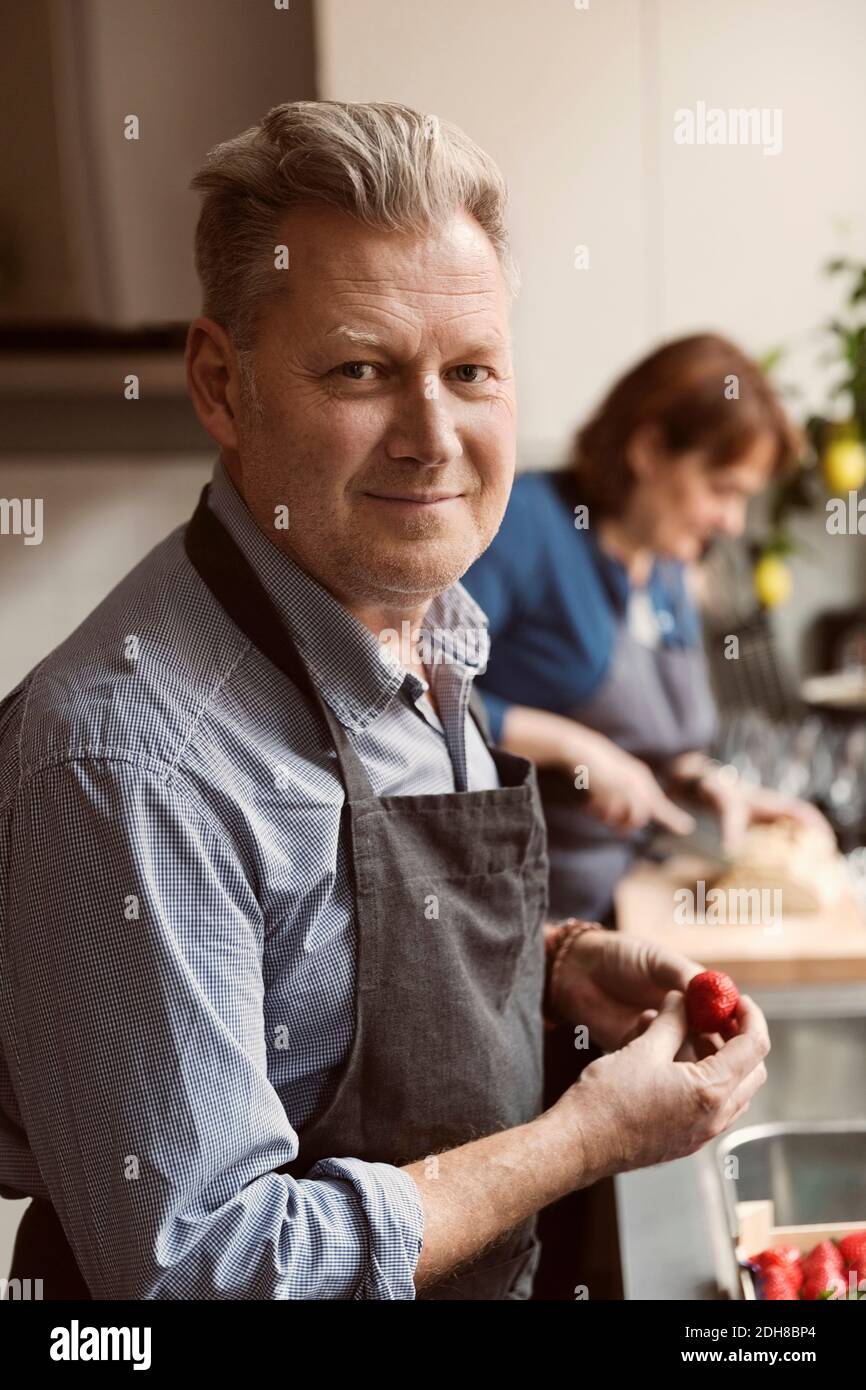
[
  {"x": 100, "y": 516},
  {"x": 742, "y": 236}
]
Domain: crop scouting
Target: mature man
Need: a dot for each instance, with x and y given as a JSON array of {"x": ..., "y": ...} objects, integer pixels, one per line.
[{"x": 273, "y": 964}]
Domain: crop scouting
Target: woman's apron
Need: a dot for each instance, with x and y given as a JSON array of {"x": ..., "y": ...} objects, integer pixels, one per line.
[
  {"x": 656, "y": 703},
  {"x": 447, "y": 1045}
]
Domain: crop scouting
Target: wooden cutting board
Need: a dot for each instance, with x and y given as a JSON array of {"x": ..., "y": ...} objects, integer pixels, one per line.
[{"x": 828, "y": 947}]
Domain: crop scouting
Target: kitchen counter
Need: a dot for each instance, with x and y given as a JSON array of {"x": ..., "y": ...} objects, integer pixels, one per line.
[{"x": 670, "y": 1218}]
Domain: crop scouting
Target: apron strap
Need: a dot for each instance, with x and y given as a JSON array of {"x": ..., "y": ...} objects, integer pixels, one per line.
[
  {"x": 237, "y": 588},
  {"x": 478, "y": 710}
]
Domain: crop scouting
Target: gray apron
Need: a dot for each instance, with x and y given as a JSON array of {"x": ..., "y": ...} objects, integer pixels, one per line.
[
  {"x": 656, "y": 703},
  {"x": 447, "y": 1045}
]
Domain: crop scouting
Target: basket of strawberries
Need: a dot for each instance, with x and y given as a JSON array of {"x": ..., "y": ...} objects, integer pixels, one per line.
[{"x": 799, "y": 1262}]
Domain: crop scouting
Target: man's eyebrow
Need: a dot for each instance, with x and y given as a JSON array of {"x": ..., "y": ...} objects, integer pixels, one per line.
[
  {"x": 481, "y": 346},
  {"x": 367, "y": 338}
]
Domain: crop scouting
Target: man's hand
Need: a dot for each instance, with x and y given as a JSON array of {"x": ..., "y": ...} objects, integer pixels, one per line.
[
  {"x": 616, "y": 984},
  {"x": 642, "y": 1105}
]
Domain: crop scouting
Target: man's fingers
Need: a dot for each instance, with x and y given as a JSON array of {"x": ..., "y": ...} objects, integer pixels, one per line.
[
  {"x": 748, "y": 1019},
  {"x": 735, "y": 1060},
  {"x": 742, "y": 1110},
  {"x": 743, "y": 1053},
  {"x": 698, "y": 1046},
  {"x": 641, "y": 1026},
  {"x": 670, "y": 970},
  {"x": 742, "y": 1094},
  {"x": 730, "y": 1060},
  {"x": 620, "y": 1022},
  {"x": 617, "y": 815},
  {"x": 667, "y": 1032}
]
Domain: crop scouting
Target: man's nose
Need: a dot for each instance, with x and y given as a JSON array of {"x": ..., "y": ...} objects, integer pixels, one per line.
[{"x": 424, "y": 430}]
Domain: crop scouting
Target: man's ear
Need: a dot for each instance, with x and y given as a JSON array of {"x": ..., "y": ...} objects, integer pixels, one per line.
[
  {"x": 646, "y": 452},
  {"x": 212, "y": 380}
]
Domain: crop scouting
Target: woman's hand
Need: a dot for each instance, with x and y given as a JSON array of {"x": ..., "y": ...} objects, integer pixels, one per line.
[
  {"x": 739, "y": 805},
  {"x": 622, "y": 791},
  {"x": 616, "y": 985}
]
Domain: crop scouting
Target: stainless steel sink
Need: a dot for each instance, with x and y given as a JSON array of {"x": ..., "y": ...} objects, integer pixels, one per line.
[
  {"x": 816, "y": 1070},
  {"x": 813, "y": 1173}
]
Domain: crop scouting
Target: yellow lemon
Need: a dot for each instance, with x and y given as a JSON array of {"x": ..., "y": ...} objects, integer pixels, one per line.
[
  {"x": 772, "y": 580},
  {"x": 844, "y": 466}
]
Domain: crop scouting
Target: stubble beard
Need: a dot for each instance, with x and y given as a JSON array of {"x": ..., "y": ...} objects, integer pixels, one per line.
[{"x": 419, "y": 562}]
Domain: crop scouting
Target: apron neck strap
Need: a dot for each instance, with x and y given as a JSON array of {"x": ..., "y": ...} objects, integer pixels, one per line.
[{"x": 237, "y": 588}]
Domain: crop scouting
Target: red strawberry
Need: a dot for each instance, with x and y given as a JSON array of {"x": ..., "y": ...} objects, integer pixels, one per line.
[
  {"x": 853, "y": 1251},
  {"x": 824, "y": 1271},
  {"x": 826, "y": 1257},
  {"x": 818, "y": 1286},
  {"x": 778, "y": 1283},
  {"x": 782, "y": 1257},
  {"x": 711, "y": 999}
]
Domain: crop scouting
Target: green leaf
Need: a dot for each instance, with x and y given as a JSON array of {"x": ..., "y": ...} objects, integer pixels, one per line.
[{"x": 769, "y": 360}]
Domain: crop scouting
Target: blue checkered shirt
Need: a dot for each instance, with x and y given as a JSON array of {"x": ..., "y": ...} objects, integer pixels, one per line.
[{"x": 177, "y": 930}]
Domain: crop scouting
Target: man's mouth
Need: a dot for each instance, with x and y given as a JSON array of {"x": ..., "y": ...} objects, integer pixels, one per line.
[{"x": 414, "y": 499}]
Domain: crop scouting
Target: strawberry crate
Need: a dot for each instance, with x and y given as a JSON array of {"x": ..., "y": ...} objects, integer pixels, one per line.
[
  {"x": 787, "y": 1184},
  {"x": 758, "y": 1231}
]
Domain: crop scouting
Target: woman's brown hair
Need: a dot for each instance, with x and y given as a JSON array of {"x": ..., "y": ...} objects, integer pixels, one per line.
[{"x": 702, "y": 393}]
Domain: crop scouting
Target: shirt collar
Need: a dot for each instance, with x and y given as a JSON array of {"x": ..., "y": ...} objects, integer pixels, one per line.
[{"x": 350, "y": 668}]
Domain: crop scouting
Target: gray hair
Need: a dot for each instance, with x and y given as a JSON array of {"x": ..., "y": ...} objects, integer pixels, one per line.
[{"x": 385, "y": 164}]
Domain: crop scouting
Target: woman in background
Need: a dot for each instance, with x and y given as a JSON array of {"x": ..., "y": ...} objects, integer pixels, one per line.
[{"x": 597, "y": 670}]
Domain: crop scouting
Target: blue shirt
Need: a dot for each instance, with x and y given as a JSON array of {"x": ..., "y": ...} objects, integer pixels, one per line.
[
  {"x": 553, "y": 601},
  {"x": 177, "y": 930}
]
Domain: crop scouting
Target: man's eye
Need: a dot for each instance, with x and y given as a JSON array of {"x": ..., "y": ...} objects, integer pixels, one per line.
[
  {"x": 358, "y": 371},
  {"x": 471, "y": 373}
]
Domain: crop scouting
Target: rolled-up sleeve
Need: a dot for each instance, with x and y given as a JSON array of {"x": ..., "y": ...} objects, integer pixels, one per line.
[{"x": 133, "y": 1028}]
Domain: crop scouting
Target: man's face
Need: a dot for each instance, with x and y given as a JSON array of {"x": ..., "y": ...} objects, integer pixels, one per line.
[{"x": 388, "y": 415}]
